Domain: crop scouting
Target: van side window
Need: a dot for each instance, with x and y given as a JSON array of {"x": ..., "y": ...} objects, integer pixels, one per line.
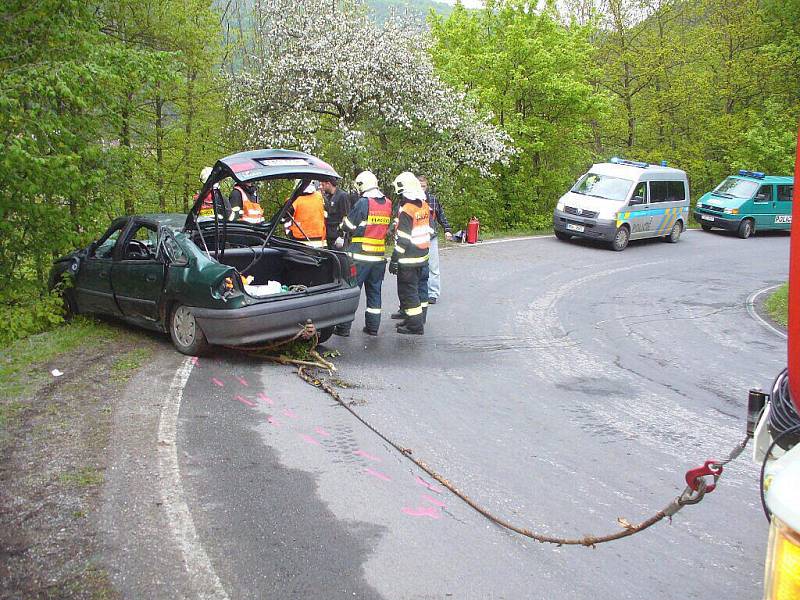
[
  {"x": 677, "y": 191},
  {"x": 764, "y": 194},
  {"x": 641, "y": 192},
  {"x": 785, "y": 193},
  {"x": 659, "y": 191}
]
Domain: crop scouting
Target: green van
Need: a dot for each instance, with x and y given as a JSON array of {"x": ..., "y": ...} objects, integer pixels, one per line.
[{"x": 747, "y": 202}]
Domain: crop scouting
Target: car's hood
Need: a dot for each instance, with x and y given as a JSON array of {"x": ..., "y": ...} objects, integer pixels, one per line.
[
  {"x": 713, "y": 199},
  {"x": 593, "y": 203},
  {"x": 261, "y": 165}
]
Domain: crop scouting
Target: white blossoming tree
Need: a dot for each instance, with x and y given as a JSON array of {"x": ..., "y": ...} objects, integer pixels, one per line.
[{"x": 326, "y": 79}]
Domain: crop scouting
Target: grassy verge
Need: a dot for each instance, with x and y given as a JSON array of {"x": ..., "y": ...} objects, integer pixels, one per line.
[{"x": 777, "y": 305}]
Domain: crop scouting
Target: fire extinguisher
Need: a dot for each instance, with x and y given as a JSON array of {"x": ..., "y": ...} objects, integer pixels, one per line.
[{"x": 472, "y": 230}]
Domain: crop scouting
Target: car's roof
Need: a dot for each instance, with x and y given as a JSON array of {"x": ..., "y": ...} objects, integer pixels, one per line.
[
  {"x": 780, "y": 179},
  {"x": 634, "y": 173}
]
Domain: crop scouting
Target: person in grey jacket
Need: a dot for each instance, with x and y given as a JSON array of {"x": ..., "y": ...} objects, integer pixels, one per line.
[{"x": 437, "y": 218}]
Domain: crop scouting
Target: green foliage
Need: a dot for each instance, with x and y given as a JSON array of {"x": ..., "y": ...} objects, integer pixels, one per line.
[
  {"x": 777, "y": 305},
  {"x": 83, "y": 477}
]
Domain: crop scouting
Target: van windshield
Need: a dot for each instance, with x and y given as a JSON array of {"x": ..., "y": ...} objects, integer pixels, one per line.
[
  {"x": 602, "y": 186},
  {"x": 736, "y": 188}
]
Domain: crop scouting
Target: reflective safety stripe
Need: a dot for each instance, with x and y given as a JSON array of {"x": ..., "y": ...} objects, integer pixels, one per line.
[
  {"x": 313, "y": 243},
  {"x": 412, "y": 312},
  {"x": 370, "y": 248},
  {"x": 346, "y": 222},
  {"x": 424, "y": 305},
  {"x": 368, "y": 240},
  {"x": 365, "y": 257},
  {"x": 374, "y": 311},
  {"x": 404, "y": 235},
  {"x": 413, "y": 261},
  {"x": 399, "y": 249}
]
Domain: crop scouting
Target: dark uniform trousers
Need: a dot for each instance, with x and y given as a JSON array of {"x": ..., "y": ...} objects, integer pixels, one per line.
[
  {"x": 369, "y": 275},
  {"x": 410, "y": 291}
]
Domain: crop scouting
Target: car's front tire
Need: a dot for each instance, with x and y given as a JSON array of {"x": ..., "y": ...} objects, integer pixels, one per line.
[
  {"x": 705, "y": 227},
  {"x": 560, "y": 235},
  {"x": 324, "y": 334},
  {"x": 621, "y": 239},
  {"x": 745, "y": 229},
  {"x": 675, "y": 234},
  {"x": 187, "y": 337}
]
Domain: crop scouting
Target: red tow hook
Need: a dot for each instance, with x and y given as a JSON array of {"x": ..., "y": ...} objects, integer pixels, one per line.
[{"x": 694, "y": 476}]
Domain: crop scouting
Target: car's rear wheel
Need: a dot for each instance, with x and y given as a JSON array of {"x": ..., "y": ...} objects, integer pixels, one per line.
[
  {"x": 564, "y": 237},
  {"x": 324, "y": 334},
  {"x": 705, "y": 227},
  {"x": 187, "y": 337},
  {"x": 621, "y": 239},
  {"x": 745, "y": 229},
  {"x": 675, "y": 234}
]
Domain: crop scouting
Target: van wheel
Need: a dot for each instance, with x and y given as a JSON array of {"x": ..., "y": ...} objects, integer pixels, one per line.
[
  {"x": 705, "y": 227},
  {"x": 324, "y": 334},
  {"x": 560, "y": 235},
  {"x": 745, "y": 229},
  {"x": 187, "y": 337},
  {"x": 621, "y": 239},
  {"x": 675, "y": 234}
]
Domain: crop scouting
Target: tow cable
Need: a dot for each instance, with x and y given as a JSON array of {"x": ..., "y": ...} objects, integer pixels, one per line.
[{"x": 699, "y": 481}]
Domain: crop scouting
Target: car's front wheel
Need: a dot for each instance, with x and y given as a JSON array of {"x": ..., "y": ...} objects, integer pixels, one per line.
[
  {"x": 564, "y": 237},
  {"x": 187, "y": 337},
  {"x": 621, "y": 238},
  {"x": 675, "y": 234},
  {"x": 705, "y": 227},
  {"x": 324, "y": 334},
  {"x": 745, "y": 229}
]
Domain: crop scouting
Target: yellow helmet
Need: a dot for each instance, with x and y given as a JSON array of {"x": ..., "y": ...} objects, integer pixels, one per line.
[
  {"x": 366, "y": 181},
  {"x": 406, "y": 184}
]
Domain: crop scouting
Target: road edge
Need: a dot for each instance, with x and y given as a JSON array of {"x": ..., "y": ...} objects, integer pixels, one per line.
[{"x": 753, "y": 303}]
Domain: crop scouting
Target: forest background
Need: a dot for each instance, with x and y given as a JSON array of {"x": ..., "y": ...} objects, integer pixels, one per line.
[{"x": 113, "y": 106}]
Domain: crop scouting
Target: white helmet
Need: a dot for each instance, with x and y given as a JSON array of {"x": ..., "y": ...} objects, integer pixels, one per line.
[
  {"x": 406, "y": 184},
  {"x": 310, "y": 188},
  {"x": 366, "y": 181},
  {"x": 205, "y": 174}
]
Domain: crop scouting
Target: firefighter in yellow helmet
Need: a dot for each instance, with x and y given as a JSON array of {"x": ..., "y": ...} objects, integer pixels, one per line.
[
  {"x": 410, "y": 257},
  {"x": 367, "y": 223}
]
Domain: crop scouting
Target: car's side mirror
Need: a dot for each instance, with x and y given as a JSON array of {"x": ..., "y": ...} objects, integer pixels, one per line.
[{"x": 637, "y": 200}]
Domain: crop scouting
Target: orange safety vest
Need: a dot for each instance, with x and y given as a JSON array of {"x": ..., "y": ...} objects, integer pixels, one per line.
[
  {"x": 309, "y": 214},
  {"x": 251, "y": 210},
  {"x": 207, "y": 208},
  {"x": 420, "y": 224},
  {"x": 369, "y": 240}
]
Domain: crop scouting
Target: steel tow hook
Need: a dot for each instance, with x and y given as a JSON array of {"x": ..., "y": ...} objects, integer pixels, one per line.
[{"x": 710, "y": 468}]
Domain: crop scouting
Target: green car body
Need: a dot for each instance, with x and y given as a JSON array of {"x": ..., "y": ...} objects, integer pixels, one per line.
[
  {"x": 747, "y": 202},
  {"x": 177, "y": 274}
]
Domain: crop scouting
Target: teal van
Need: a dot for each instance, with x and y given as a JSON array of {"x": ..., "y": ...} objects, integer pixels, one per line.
[{"x": 747, "y": 202}]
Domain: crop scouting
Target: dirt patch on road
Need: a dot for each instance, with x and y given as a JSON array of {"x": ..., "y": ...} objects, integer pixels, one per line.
[{"x": 54, "y": 437}]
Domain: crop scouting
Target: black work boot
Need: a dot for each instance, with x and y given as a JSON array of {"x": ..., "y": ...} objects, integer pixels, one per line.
[
  {"x": 342, "y": 330},
  {"x": 405, "y": 329},
  {"x": 369, "y": 331},
  {"x": 399, "y": 315},
  {"x": 424, "y": 315}
]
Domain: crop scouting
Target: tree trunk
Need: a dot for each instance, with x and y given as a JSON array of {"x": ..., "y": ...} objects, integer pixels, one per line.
[{"x": 191, "y": 75}]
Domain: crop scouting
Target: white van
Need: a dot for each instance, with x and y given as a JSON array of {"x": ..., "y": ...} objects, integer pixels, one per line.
[{"x": 623, "y": 200}]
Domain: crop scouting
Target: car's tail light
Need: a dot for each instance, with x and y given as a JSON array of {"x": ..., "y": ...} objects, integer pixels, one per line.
[
  {"x": 782, "y": 576},
  {"x": 353, "y": 272}
]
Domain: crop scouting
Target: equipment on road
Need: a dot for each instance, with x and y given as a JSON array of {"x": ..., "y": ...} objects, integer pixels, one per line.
[
  {"x": 473, "y": 228},
  {"x": 777, "y": 444}
]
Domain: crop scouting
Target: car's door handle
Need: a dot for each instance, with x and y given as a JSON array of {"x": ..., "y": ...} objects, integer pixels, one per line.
[{"x": 150, "y": 277}]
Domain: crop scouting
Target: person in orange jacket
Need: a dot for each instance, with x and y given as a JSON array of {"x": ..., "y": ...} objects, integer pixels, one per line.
[{"x": 305, "y": 220}]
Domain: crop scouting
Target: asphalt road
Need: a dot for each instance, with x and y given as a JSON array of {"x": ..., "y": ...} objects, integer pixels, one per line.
[{"x": 560, "y": 385}]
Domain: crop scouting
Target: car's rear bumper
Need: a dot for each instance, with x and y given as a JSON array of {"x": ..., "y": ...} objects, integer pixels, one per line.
[
  {"x": 718, "y": 221},
  {"x": 593, "y": 229},
  {"x": 276, "y": 319}
]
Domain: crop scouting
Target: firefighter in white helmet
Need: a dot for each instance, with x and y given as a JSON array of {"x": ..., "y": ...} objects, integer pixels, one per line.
[
  {"x": 410, "y": 257},
  {"x": 367, "y": 224}
]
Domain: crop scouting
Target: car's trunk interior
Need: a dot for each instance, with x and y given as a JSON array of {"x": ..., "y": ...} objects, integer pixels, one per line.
[{"x": 289, "y": 266}]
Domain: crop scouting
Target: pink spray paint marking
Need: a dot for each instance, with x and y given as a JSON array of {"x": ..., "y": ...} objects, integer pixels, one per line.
[
  {"x": 264, "y": 398},
  {"x": 243, "y": 381},
  {"x": 422, "y": 511},
  {"x": 244, "y": 401},
  {"x": 289, "y": 413},
  {"x": 195, "y": 360},
  {"x": 272, "y": 420},
  {"x": 322, "y": 432},
  {"x": 309, "y": 439},
  {"x": 424, "y": 483},
  {"x": 433, "y": 500},
  {"x": 366, "y": 455},
  {"x": 377, "y": 474},
  {"x": 216, "y": 381}
]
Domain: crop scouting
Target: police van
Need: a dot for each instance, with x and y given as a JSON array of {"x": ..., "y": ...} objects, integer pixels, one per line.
[
  {"x": 624, "y": 200},
  {"x": 747, "y": 202}
]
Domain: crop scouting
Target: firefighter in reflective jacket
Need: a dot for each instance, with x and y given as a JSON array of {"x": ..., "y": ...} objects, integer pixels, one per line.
[
  {"x": 368, "y": 223},
  {"x": 410, "y": 257},
  {"x": 244, "y": 203},
  {"x": 305, "y": 221}
]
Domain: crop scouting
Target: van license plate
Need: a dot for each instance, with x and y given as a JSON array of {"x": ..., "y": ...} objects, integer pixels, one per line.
[
  {"x": 783, "y": 219},
  {"x": 706, "y": 218},
  {"x": 578, "y": 228}
]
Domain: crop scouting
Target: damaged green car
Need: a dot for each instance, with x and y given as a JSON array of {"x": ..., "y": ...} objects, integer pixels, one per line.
[{"x": 203, "y": 280}]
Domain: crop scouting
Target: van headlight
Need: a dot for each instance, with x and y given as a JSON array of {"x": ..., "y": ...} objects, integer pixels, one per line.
[
  {"x": 560, "y": 206},
  {"x": 731, "y": 211},
  {"x": 782, "y": 573}
]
